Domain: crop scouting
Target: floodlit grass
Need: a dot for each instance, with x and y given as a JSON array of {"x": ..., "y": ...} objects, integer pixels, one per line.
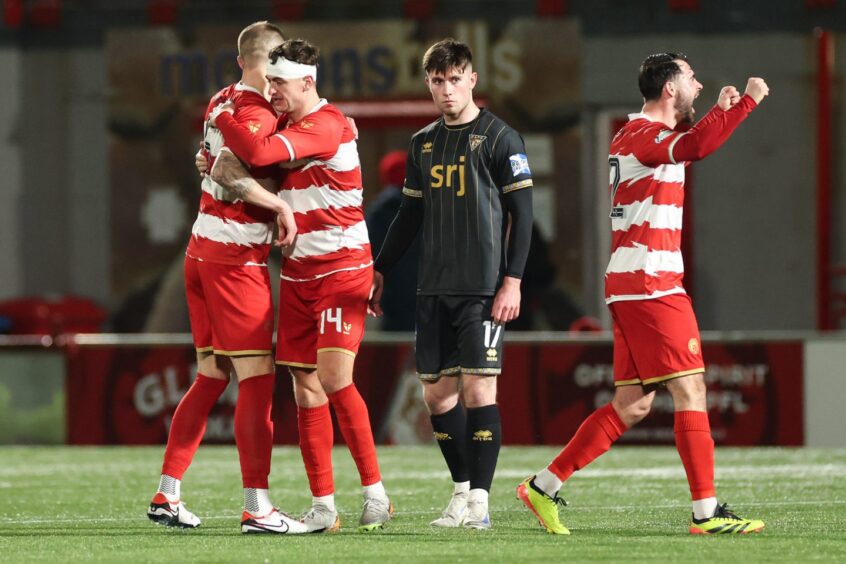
[{"x": 88, "y": 504}]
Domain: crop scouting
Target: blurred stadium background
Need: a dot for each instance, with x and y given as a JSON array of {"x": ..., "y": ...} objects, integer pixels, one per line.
[{"x": 100, "y": 114}]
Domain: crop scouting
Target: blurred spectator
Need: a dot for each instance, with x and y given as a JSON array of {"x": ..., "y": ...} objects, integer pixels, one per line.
[{"x": 400, "y": 296}]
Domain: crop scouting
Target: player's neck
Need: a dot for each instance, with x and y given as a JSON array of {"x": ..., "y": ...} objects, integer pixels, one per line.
[
  {"x": 661, "y": 112},
  {"x": 468, "y": 114},
  {"x": 312, "y": 98},
  {"x": 254, "y": 78}
]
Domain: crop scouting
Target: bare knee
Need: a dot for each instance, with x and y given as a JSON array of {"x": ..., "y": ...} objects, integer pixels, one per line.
[
  {"x": 440, "y": 396},
  {"x": 478, "y": 391},
  {"x": 308, "y": 392},
  {"x": 688, "y": 393},
  {"x": 632, "y": 407}
]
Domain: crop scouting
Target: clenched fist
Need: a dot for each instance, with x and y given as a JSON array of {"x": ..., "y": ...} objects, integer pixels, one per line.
[
  {"x": 729, "y": 96},
  {"x": 757, "y": 89}
]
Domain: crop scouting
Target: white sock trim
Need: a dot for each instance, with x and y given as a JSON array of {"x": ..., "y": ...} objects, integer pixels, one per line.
[
  {"x": 327, "y": 501},
  {"x": 704, "y": 508},
  {"x": 171, "y": 487},
  {"x": 375, "y": 490},
  {"x": 478, "y": 494},
  {"x": 548, "y": 482},
  {"x": 461, "y": 487},
  {"x": 257, "y": 502}
]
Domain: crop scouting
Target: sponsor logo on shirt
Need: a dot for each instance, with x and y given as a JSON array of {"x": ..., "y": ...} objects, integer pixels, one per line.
[
  {"x": 427, "y": 147},
  {"x": 663, "y": 135},
  {"x": 519, "y": 164},
  {"x": 476, "y": 140}
]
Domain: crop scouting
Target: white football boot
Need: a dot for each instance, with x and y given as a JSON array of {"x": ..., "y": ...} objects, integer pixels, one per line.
[
  {"x": 171, "y": 513},
  {"x": 455, "y": 512},
  {"x": 321, "y": 519},
  {"x": 274, "y": 522}
]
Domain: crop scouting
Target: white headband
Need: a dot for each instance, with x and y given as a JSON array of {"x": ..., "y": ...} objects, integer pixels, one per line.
[{"x": 284, "y": 68}]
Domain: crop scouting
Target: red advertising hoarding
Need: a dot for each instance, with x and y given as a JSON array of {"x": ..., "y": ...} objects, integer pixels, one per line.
[{"x": 120, "y": 394}]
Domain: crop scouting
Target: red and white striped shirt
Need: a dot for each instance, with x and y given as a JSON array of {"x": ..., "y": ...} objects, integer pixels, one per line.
[
  {"x": 323, "y": 186},
  {"x": 647, "y": 161},
  {"x": 227, "y": 230}
]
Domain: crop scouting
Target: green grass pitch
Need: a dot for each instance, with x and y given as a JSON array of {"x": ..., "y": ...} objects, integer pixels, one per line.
[{"x": 88, "y": 504}]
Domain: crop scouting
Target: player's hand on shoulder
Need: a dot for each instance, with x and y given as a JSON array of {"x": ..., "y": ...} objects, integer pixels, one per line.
[
  {"x": 353, "y": 126},
  {"x": 374, "y": 307},
  {"x": 757, "y": 89},
  {"x": 729, "y": 96},
  {"x": 228, "y": 107}
]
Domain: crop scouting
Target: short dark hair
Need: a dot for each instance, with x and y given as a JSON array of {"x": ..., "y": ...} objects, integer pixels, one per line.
[
  {"x": 656, "y": 71},
  {"x": 446, "y": 54},
  {"x": 296, "y": 50}
]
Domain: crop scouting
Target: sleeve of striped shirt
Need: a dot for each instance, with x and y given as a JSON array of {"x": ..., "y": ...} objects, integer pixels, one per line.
[
  {"x": 313, "y": 136},
  {"x": 709, "y": 133}
]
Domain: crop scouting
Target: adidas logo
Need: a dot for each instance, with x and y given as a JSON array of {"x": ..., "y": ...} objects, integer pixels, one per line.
[{"x": 483, "y": 435}]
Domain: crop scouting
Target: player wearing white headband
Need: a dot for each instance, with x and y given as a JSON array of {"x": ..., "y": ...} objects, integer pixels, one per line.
[{"x": 326, "y": 274}]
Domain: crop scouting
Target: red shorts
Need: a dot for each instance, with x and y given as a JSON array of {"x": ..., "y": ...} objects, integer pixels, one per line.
[
  {"x": 325, "y": 314},
  {"x": 230, "y": 307},
  {"x": 655, "y": 340}
]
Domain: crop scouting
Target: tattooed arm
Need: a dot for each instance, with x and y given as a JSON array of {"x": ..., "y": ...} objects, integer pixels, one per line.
[{"x": 234, "y": 178}]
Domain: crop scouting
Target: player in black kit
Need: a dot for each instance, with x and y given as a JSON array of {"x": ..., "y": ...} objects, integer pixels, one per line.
[{"x": 467, "y": 181}]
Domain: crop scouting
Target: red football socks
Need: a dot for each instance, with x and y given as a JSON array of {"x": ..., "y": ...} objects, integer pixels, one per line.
[
  {"x": 316, "y": 439},
  {"x": 354, "y": 422},
  {"x": 189, "y": 424},
  {"x": 254, "y": 429},
  {"x": 592, "y": 439},
  {"x": 696, "y": 449}
]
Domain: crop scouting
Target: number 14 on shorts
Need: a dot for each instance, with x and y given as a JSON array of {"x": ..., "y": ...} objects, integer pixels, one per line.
[{"x": 333, "y": 317}]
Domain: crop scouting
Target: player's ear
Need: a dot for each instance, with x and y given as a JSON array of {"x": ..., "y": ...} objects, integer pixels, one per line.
[
  {"x": 670, "y": 88},
  {"x": 473, "y": 78},
  {"x": 240, "y": 62}
]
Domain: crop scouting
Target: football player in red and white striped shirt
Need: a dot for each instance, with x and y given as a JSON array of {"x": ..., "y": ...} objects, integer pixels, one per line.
[
  {"x": 229, "y": 303},
  {"x": 326, "y": 274},
  {"x": 656, "y": 338}
]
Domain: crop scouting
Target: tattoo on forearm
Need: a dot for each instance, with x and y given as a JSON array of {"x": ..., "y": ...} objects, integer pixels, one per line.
[{"x": 231, "y": 174}]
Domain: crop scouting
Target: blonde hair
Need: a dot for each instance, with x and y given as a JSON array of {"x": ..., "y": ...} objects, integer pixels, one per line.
[{"x": 256, "y": 41}]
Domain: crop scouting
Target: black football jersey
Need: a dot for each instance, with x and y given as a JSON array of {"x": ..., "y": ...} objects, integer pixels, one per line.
[{"x": 462, "y": 173}]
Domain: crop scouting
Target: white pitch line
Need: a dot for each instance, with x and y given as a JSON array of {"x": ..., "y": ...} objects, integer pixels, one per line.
[{"x": 234, "y": 516}]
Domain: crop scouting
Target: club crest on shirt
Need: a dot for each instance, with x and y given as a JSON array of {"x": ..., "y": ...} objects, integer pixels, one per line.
[
  {"x": 693, "y": 346},
  {"x": 663, "y": 135},
  {"x": 519, "y": 164},
  {"x": 476, "y": 140},
  {"x": 254, "y": 127},
  {"x": 427, "y": 147}
]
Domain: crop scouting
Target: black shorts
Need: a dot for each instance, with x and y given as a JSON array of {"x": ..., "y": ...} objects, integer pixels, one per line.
[{"x": 455, "y": 335}]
